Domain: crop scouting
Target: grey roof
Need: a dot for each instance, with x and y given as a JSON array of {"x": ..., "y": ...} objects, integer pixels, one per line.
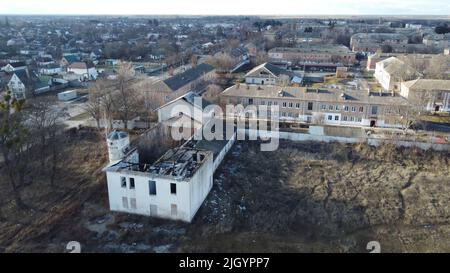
[
  {"x": 18, "y": 64},
  {"x": 189, "y": 98},
  {"x": 186, "y": 77},
  {"x": 309, "y": 94},
  {"x": 277, "y": 71}
]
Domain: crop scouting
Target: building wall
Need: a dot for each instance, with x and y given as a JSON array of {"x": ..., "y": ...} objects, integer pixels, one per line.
[
  {"x": 383, "y": 77},
  {"x": 17, "y": 88},
  {"x": 200, "y": 185},
  {"x": 188, "y": 198},
  {"x": 342, "y": 113},
  {"x": 261, "y": 80},
  {"x": 163, "y": 198},
  {"x": 319, "y": 57},
  {"x": 165, "y": 113},
  {"x": 435, "y": 98}
]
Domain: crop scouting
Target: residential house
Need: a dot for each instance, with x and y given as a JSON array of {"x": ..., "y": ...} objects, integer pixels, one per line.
[
  {"x": 371, "y": 42},
  {"x": 85, "y": 71},
  {"x": 22, "y": 84},
  {"x": 183, "y": 111},
  {"x": 17, "y": 84},
  {"x": 437, "y": 40},
  {"x": 313, "y": 54},
  {"x": 192, "y": 79},
  {"x": 68, "y": 60},
  {"x": 269, "y": 74},
  {"x": 14, "y": 66},
  {"x": 50, "y": 69}
]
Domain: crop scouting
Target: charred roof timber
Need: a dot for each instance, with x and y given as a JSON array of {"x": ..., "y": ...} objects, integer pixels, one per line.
[{"x": 181, "y": 163}]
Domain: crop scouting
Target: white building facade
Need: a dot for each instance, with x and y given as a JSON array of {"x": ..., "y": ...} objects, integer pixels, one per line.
[{"x": 169, "y": 195}]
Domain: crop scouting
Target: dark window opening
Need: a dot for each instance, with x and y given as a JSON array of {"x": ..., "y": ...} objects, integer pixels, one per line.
[
  {"x": 131, "y": 183},
  {"x": 310, "y": 106},
  {"x": 173, "y": 188},
  {"x": 152, "y": 187}
]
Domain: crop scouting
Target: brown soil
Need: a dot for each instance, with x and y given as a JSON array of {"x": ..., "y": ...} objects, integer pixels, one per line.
[{"x": 304, "y": 197}]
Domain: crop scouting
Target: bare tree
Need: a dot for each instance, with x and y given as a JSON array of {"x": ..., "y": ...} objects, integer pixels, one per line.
[
  {"x": 222, "y": 61},
  {"x": 126, "y": 98},
  {"x": 194, "y": 60},
  {"x": 42, "y": 118},
  {"x": 437, "y": 67},
  {"x": 212, "y": 93},
  {"x": 14, "y": 144},
  {"x": 94, "y": 105}
]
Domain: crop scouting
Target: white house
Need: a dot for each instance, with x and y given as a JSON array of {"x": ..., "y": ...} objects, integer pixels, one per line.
[
  {"x": 84, "y": 70},
  {"x": 17, "y": 83},
  {"x": 11, "y": 67},
  {"x": 269, "y": 74},
  {"x": 51, "y": 69}
]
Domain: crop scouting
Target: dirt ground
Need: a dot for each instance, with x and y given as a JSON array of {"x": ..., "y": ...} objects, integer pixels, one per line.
[{"x": 304, "y": 197}]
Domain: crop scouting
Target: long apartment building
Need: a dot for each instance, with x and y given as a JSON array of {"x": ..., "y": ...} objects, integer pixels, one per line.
[
  {"x": 322, "y": 106},
  {"x": 371, "y": 42},
  {"x": 313, "y": 54}
]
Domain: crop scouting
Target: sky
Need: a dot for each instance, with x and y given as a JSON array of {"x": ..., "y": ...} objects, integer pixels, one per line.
[{"x": 227, "y": 7}]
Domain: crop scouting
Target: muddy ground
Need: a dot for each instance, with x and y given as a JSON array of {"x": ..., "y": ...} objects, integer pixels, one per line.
[{"x": 304, "y": 197}]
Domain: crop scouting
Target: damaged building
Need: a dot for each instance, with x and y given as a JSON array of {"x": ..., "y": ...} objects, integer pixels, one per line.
[{"x": 173, "y": 187}]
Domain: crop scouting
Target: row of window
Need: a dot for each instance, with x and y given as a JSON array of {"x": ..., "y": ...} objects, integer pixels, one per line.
[
  {"x": 283, "y": 105},
  {"x": 297, "y": 105},
  {"x": 153, "y": 208},
  {"x": 151, "y": 185},
  {"x": 346, "y": 108},
  {"x": 344, "y": 118}
]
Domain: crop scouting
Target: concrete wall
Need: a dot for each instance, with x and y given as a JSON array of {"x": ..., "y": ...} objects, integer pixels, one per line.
[
  {"x": 200, "y": 186},
  {"x": 219, "y": 158},
  {"x": 163, "y": 198},
  {"x": 260, "y": 80},
  {"x": 328, "y": 138}
]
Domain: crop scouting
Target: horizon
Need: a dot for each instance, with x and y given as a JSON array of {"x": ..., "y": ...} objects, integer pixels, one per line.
[{"x": 288, "y": 8}]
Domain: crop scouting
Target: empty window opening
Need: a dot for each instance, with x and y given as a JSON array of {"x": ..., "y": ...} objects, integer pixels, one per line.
[
  {"x": 173, "y": 188},
  {"x": 123, "y": 182},
  {"x": 152, "y": 187},
  {"x": 132, "y": 183}
]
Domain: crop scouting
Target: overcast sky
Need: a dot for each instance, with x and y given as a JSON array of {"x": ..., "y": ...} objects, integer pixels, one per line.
[{"x": 227, "y": 7}]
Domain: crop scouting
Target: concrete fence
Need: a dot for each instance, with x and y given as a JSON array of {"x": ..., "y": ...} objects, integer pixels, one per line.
[{"x": 252, "y": 133}]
